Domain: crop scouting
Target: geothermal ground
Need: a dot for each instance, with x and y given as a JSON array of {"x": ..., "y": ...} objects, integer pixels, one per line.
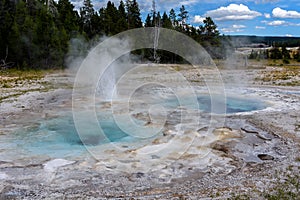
[{"x": 240, "y": 155}]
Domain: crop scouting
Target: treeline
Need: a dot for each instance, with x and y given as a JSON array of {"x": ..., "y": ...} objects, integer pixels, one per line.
[
  {"x": 276, "y": 53},
  {"x": 242, "y": 41},
  {"x": 37, "y": 33}
]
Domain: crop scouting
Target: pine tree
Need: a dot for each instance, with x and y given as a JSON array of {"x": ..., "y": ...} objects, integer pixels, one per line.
[
  {"x": 110, "y": 19},
  {"x": 183, "y": 15},
  {"x": 275, "y": 53},
  {"x": 33, "y": 6},
  {"x": 133, "y": 12},
  {"x": 121, "y": 23},
  {"x": 194, "y": 32},
  {"x": 35, "y": 41},
  {"x": 209, "y": 38},
  {"x": 148, "y": 21},
  {"x": 68, "y": 18},
  {"x": 253, "y": 55},
  {"x": 52, "y": 7},
  {"x": 45, "y": 31},
  {"x": 7, "y": 11},
  {"x": 86, "y": 14},
  {"x": 121, "y": 10},
  {"x": 21, "y": 44},
  {"x": 209, "y": 28},
  {"x": 285, "y": 52},
  {"x": 101, "y": 21},
  {"x": 296, "y": 55},
  {"x": 158, "y": 20},
  {"x": 172, "y": 16},
  {"x": 166, "y": 22}
]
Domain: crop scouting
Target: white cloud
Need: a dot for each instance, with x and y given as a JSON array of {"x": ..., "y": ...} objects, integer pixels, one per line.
[
  {"x": 188, "y": 2},
  {"x": 233, "y": 12},
  {"x": 280, "y": 13},
  {"x": 267, "y": 15},
  {"x": 289, "y": 35},
  {"x": 260, "y": 27},
  {"x": 236, "y": 28},
  {"x": 198, "y": 19},
  {"x": 278, "y": 23},
  {"x": 231, "y": 30}
]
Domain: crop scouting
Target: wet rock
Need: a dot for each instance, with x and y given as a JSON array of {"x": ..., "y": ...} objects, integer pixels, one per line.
[
  {"x": 249, "y": 131},
  {"x": 139, "y": 174},
  {"x": 167, "y": 132},
  {"x": 107, "y": 105},
  {"x": 264, "y": 137},
  {"x": 265, "y": 157},
  {"x": 5, "y": 164},
  {"x": 226, "y": 133},
  {"x": 34, "y": 162},
  {"x": 143, "y": 117},
  {"x": 155, "y": 157},
  {"x": 203, "y": 129},
  {"x": 221, "y": 147},
  {"x": 156, "y": 141},
  {"x": 256, "y": 132},
  {"x": 149, "y": 123},
  {"x": 111, "y": 167}
]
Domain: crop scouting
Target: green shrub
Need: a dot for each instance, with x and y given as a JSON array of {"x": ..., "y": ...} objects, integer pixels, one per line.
[
  {"x": 285, "y": 61},
  {"x": 6, "y": 85}
]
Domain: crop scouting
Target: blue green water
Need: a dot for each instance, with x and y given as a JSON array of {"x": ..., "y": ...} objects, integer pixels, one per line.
[
  {"x": 227, "y": 105},
  {"x": 58, "y": 137},
  {"x": 233, "y": 104}
]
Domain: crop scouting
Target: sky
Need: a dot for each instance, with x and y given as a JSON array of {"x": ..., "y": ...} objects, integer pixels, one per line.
[{"x": 233, "y": 17}]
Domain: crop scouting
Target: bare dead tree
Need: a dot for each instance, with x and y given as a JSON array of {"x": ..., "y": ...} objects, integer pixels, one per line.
[{"x": 3, "y": 63}]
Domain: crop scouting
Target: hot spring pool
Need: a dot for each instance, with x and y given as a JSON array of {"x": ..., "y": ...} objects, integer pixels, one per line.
[
  {"x": 232, "y": 104},
  {"x": 57, "y": 137}
]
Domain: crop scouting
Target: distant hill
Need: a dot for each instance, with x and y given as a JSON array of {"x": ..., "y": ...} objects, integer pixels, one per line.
[{"x": 244, "y": 41}]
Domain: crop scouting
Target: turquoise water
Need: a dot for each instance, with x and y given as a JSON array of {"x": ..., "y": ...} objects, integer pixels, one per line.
[
  {"x": 233, "y": 104},
  {"x": 204, "y": 103},
  {"x": 58, "y": 137}
]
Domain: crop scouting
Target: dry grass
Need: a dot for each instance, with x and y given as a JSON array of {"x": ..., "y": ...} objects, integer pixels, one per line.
[
  {"x": 14, "y": 83},
  {"x": 287, "y": 75},
  {"x": 14, "y": 78}
]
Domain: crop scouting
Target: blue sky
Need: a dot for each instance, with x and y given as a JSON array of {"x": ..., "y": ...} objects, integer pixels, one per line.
[{"x": 247, "y": 17}]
